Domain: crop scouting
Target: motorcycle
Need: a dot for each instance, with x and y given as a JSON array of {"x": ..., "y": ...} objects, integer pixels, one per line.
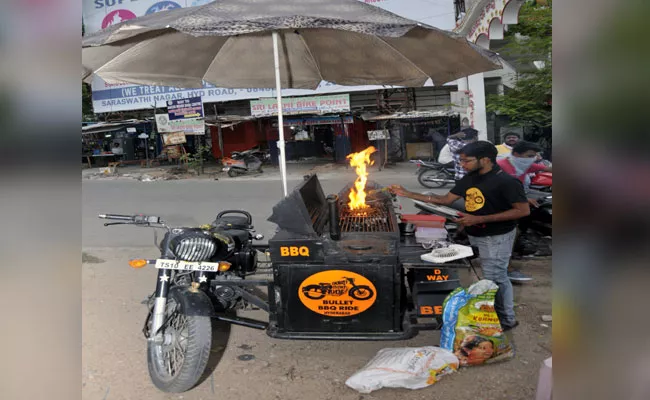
[
  {"x": 433, "y": 174},
  {"x": 246, "y": 164},
  {"x": 196, "y": 271},
  {"x": 541, "y": 181},
  {"x": 263, "y": 155},
  {"x": 535, "y": 229}
]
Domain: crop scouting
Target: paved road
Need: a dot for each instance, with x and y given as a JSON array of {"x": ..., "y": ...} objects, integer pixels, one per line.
[{"x": 114, "y": 358}]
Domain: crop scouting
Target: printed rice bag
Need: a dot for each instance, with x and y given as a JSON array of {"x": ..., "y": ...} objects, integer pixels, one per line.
[
  {"x": 408, "y": 367},
  {"x": 471, "y": 327}
]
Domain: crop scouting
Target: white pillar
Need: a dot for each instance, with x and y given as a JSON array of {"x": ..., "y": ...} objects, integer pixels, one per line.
[{"x": 478, "y": 119}]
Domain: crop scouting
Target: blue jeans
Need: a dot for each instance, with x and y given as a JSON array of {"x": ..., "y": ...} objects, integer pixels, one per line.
[{"x": 494, "y": 253}]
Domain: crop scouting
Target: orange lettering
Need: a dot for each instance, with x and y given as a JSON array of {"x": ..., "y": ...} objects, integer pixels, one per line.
[
  {"x": 426, "y": 310},
  {"x": 437, "y": 271},
  {"x": 284, "y": 251},
  {"x": 437, "y": 310},
  {"x": 294, "y": 251}
]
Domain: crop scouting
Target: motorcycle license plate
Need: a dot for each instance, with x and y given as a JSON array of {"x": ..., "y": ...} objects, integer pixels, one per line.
[{"x": 187, "y": 266}]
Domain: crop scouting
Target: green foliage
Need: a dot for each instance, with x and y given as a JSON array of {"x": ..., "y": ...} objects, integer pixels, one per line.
[
  {"x": 86, "y": 103},
  {"x": 195, "y": 161},
  {"x": 529, "y": 102}
]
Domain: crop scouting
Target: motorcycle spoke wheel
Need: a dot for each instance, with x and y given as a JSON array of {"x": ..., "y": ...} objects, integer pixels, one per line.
[
  {"x": 427, "y": 174},
  {"x": 177, "y": 363}
]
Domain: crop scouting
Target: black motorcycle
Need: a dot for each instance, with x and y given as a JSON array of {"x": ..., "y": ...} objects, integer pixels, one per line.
[
  {"x": 434, "y": 175},
  {"x": 195, "y": 268}
]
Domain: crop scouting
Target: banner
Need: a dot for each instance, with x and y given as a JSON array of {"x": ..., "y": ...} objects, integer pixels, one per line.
[
  {"x": 189, "y": 126},
  {"x": 185, "y": 108},
  {"x": 301, "y": 105},
  {"x": 100, "y": 14}
]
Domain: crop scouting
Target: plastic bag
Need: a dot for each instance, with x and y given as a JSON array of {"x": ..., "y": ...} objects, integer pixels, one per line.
[
  {"x": 407, "y": 367},
  {"x": 471, "y": 327}
]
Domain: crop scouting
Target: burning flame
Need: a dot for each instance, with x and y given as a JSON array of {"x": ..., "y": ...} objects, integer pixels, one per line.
[{"x": 360, "y": 160}]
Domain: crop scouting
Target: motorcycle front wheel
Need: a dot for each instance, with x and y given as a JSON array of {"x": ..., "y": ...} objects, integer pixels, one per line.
[
  {"x": 427, "y": 174},
  {"x": 177, "y": 364},
  {"x": 232, "y": 173}
]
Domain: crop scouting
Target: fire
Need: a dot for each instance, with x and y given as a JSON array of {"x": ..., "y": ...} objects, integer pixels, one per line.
[{"x": 359, "y": 161}]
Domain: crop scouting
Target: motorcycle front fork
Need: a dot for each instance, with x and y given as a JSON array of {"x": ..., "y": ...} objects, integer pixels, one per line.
[{"x": 160, "y": 303}]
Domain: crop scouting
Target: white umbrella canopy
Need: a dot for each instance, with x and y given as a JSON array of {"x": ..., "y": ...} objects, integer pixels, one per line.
[{"x": 234, "y": 43}]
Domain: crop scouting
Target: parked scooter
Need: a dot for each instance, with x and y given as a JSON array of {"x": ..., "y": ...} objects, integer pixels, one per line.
[
  {"x": 247, "y": 164},
  {"x": 434, "y": 175},
  {"x": 263, "y": 155}
]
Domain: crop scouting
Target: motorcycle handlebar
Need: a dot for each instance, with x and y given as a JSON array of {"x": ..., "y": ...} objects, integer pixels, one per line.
[
  {"x": 117, "y": 217},
  {"x": 138, "y": 219}
]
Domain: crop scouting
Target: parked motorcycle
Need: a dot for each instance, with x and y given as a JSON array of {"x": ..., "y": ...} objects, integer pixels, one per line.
[
  {"x": 263, "y": 155},
  {"x": 246, "y": 164},
  {"x": 433, "y": 175},
  {"x": 195, "y": 268},
  {"x": 542, "y": 181}
]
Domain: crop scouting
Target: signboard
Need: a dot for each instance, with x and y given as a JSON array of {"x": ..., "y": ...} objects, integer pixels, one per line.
[
  {"x": 381, "y": 134},
  {"x": 101, "y": 14},
  {"x": 301, "y": 105},
  {"x": 191, "y": 126},
  {"x": 185, "y": 108},
  {"x": 173, "y": 138}
]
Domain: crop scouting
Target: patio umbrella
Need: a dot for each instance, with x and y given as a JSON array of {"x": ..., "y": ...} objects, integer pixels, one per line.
[{"x": 233, "y": 43}]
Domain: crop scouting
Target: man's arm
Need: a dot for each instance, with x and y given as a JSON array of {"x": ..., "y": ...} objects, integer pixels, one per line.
[
  {"x": 518, "y": 211},
  {"x": 445, "y": 200}
]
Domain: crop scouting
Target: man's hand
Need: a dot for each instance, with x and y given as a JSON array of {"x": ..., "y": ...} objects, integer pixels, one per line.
[
  {"x": 398, "y": 190},
  {"x": 533, "y": 203},
  {"x": 468, "y": 219}
]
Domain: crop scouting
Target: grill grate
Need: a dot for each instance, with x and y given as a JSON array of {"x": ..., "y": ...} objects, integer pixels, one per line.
[
  {"x": 317, "y": 217},
  {"x": 370, "y": 219}
]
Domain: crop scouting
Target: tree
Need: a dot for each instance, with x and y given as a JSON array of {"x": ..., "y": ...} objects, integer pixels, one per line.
[
  {"x": 529, "y": 43},
  {"x": 86, "y": 93}
]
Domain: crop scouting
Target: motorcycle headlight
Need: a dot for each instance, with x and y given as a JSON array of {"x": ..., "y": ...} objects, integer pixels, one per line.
[{"x": 193, "y": 245}]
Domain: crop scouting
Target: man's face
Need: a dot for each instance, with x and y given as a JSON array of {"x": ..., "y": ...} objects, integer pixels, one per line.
[
  {"x": 511, "y": 140},
  {"x": 469, "y": 164}
]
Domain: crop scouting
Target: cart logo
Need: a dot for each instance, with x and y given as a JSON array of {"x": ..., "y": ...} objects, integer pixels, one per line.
[{"x": 337, "y": 293}]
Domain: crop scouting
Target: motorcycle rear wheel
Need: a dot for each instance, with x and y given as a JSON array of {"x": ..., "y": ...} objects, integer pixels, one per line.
[
  {"x": 177, "y": 364},
  {"x": 232, "y": 173},
  {"x": 432, "y": 173}
]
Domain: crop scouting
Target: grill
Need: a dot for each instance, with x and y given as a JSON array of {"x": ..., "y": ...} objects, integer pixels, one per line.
[{"x": 375, "y": 218}]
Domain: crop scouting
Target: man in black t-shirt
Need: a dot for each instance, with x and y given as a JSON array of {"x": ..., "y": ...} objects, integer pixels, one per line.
[{"x": 494, "y": 201}]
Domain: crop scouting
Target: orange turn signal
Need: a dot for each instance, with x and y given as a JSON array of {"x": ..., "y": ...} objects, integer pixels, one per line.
[
  {"x": 137, "y": 263},
  {"x": 224, "y": 266}
]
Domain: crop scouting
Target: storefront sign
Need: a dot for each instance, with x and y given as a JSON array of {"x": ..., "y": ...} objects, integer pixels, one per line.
[
  {"x": 191, "y": 126},
  {"x": 100, "y": 14},
  {"x": 301, "y": 105},
  {"x": 379, "y": 135},
  {"x": 185, "y": 108},
  {"x": 173, "y": 138},
  {"x": 337, "y": 293}
]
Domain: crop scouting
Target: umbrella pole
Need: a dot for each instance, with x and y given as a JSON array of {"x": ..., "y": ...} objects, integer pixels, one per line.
[{"x": 278, "y": 89}]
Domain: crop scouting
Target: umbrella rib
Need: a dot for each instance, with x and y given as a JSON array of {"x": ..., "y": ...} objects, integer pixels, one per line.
[
  {"x": 312, "y": 56},
  {"x": 405, "y": 58}
]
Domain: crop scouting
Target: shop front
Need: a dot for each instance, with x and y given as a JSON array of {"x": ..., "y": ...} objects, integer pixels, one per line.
[{"x": 122, "y": 141}]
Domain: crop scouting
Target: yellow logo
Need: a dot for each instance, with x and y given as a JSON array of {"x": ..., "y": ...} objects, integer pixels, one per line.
[
  {"x": 474, "y": 199},
  {"x": 337, "y": 293},
  {"x": 294, "y": 251}
]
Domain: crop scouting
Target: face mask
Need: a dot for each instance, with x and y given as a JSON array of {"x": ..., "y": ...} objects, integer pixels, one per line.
[{"x": 521, "y": 164}]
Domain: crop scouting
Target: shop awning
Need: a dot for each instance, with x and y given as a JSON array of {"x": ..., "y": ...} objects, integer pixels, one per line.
[
  {"x": 109, "y": 126},
  {"x": 447, "y": 112}
]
